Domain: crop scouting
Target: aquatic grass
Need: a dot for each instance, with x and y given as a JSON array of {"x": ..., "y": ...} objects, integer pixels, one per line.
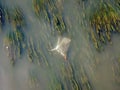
[
  {"x": 104, "y": 21},
  {"x": 55, "y": 84},
  {"x": 38, "y": 5},
  {"x": 14, "y": 44},
  {"x": 74, "y": 85},
  {"x": 33, "y": 80},
  {"x": 48, "y": 10},
  {"x": 40, "y": 9},
  {"x": 18, "y": 18},
  {"x": 31, "y": 51},
  {"x": 85, "y": 82},
  {"x": 42, "y": 54},
  {"x": 35, "y": 54},
  {"x": 59, "y": 23},
  {"x": 15, "y": 17},
  {"x": 117, "y": 3},
  {"x": 2, "y": 16},
  {"x": 68, "y": 78}
]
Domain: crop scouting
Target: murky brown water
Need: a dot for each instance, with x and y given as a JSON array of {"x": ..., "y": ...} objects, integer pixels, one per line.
[{"x": 98, "y": 66}]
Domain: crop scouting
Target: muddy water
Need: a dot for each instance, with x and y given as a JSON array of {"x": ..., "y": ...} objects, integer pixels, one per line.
[{"x": 81, "y": 53}]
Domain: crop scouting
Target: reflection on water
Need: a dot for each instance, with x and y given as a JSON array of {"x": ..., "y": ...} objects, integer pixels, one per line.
[
  {"x": 62, "y": 46},
  {"x": 85, "y": 69}
]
